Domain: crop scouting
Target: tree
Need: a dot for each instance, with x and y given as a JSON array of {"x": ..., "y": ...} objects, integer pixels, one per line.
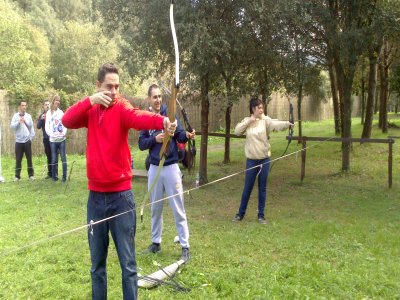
[
  {"x": 395, "y": 83},
  {"x": 74, "y": 62},
  {"x": 384, "y": 26},
  {"x": 359, "y": 85},
  {"x": 301, "y": 68},
  {"x": 42, "y": 16},
  {"x": 24, "y": 53},
  {"x": 343, "y": 26},
  {"x": 265, "y": 38},
  {"x": 73, "y": 10},
  {"x": 229, "y": 33}
]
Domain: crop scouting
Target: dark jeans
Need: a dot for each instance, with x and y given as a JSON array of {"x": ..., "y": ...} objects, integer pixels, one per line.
[
  {"x": 20, "y": 149},
  {"x": 123, "y": 230},
  {"x": 251, "y": 175},
  {"x": 58, "y": 147},
  {"x": 47, "y": 150}
]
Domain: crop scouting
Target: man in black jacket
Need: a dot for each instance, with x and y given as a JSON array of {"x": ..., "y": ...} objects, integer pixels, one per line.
[{"x": 46, "y": 142}]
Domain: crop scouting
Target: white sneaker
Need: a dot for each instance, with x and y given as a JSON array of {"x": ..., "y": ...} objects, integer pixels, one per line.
[
  {"x": 16, "y": 179},
  {"x": 31, "y": 178}
]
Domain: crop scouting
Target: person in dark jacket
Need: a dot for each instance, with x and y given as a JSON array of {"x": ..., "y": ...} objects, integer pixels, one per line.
[
  {"x": 46, "y": 142},
  {"x": 170, "y": 178}
]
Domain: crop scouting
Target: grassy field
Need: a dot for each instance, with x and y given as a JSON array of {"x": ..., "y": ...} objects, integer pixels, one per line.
[{"x": 336, "y": 236}]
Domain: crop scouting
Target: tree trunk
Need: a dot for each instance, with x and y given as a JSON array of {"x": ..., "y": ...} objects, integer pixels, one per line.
[
  {"x": 335, "y": 99},
  {"x": 384, "y": 88},
  {"x": 369, "y": 109},
  {"x": 228, "y": 111},
  {"x": 362, "y": 95},
  {"x": 345, "y": 83},
  {"x": 346, "y": 122},
  {"x": 383, "y": 125},
  {"x": 299, "y": 102},
  {"x": 263, "y": 82},
  {"x": 381, "y": 94},
  {"x": 376, "y": 104},
  {"x": 205, "y": 107}
]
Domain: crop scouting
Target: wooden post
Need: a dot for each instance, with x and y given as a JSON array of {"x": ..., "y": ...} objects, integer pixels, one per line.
[
  {"x": 390, "y": 160},
  {"x": 303, "y": 158}
]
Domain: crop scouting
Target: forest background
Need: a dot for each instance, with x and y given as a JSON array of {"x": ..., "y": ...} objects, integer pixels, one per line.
[{"x": 324, "y": 49}]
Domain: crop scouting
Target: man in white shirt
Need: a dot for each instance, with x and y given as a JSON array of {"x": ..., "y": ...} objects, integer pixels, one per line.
[{"x": 22, "y": 123}]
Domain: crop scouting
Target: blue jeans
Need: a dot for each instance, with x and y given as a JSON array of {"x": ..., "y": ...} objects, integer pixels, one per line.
[
  {"x": 58, "y": 147},
  {"x": 123, "y": 230},
  {"x": 250, "y": 178}
]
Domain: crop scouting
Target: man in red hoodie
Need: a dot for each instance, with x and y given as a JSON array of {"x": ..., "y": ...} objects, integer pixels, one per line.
[{"x": 108, "y": 118}]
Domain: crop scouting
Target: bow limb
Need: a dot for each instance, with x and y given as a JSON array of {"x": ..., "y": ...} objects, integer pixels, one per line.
[
  {"x": 171, "y": 108},
  {"x": 175, "y": 86}
]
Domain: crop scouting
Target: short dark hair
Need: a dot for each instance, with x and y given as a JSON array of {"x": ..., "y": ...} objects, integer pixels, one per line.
[
  {"x": 254, "y": 102},
  {"x": 105, "y": 69},
  {"x": 153, "y": 86},
  {"x": 20, "y": 102}
]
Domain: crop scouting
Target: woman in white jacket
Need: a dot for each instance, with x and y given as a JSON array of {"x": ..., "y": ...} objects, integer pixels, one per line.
[
  {"x": 57, "y": 136},
  {"x": 257, "y": 150}
]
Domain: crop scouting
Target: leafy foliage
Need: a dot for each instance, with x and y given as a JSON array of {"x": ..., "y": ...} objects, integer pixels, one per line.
[
  {"x": 75, "y": 60},
  {"x": 25, "y": 54}
]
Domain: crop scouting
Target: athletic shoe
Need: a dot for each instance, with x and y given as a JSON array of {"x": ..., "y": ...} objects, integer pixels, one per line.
[
  {"x": 153, "y": 248},
  {"x": 16, "y": 179},
  {"x": 185, "y": 255},
  {"x": 262, "y": 220},
  {"x": 31, "y": 178},
  {"x": 237, "y": 218}
]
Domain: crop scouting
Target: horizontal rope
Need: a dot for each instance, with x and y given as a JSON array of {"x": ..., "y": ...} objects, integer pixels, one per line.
[{"x": 38, "y": 242}]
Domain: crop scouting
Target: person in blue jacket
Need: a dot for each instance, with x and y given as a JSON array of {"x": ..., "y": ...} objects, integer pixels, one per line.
[{"x": 170, "y": 178}]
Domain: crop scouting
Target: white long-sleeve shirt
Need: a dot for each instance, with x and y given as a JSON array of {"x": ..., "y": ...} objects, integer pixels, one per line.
[
  {"x": 24, "y": 132},
  {"x": 257, "y": 144},
  {"x": 54, "y": 128}
]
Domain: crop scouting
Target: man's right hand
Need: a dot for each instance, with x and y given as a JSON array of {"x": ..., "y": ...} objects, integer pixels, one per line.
[{"x": 103, "y": 98}]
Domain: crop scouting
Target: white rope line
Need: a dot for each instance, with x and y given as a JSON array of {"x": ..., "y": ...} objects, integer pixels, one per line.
[{"x": 148, "y": 204}]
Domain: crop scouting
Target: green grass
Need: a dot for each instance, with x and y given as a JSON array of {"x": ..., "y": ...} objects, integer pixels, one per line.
[{"x": 336, "y": 236}]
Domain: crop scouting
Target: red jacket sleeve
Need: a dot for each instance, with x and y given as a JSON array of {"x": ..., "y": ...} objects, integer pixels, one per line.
[
  {"x": 140, "y": 119},
  {"x": 77, "y": 115}
]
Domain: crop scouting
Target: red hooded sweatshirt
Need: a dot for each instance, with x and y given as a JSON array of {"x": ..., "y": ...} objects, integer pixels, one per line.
[{"x": 108, "y": 158}]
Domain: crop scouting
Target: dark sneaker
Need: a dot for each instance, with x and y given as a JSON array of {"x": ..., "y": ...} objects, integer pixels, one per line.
[
  {"x": 237, "y": 218},
  {"x": 185, "y": 255},
  {"x": 262, "y": 220},
  {"x": 153, "y": 248}
]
